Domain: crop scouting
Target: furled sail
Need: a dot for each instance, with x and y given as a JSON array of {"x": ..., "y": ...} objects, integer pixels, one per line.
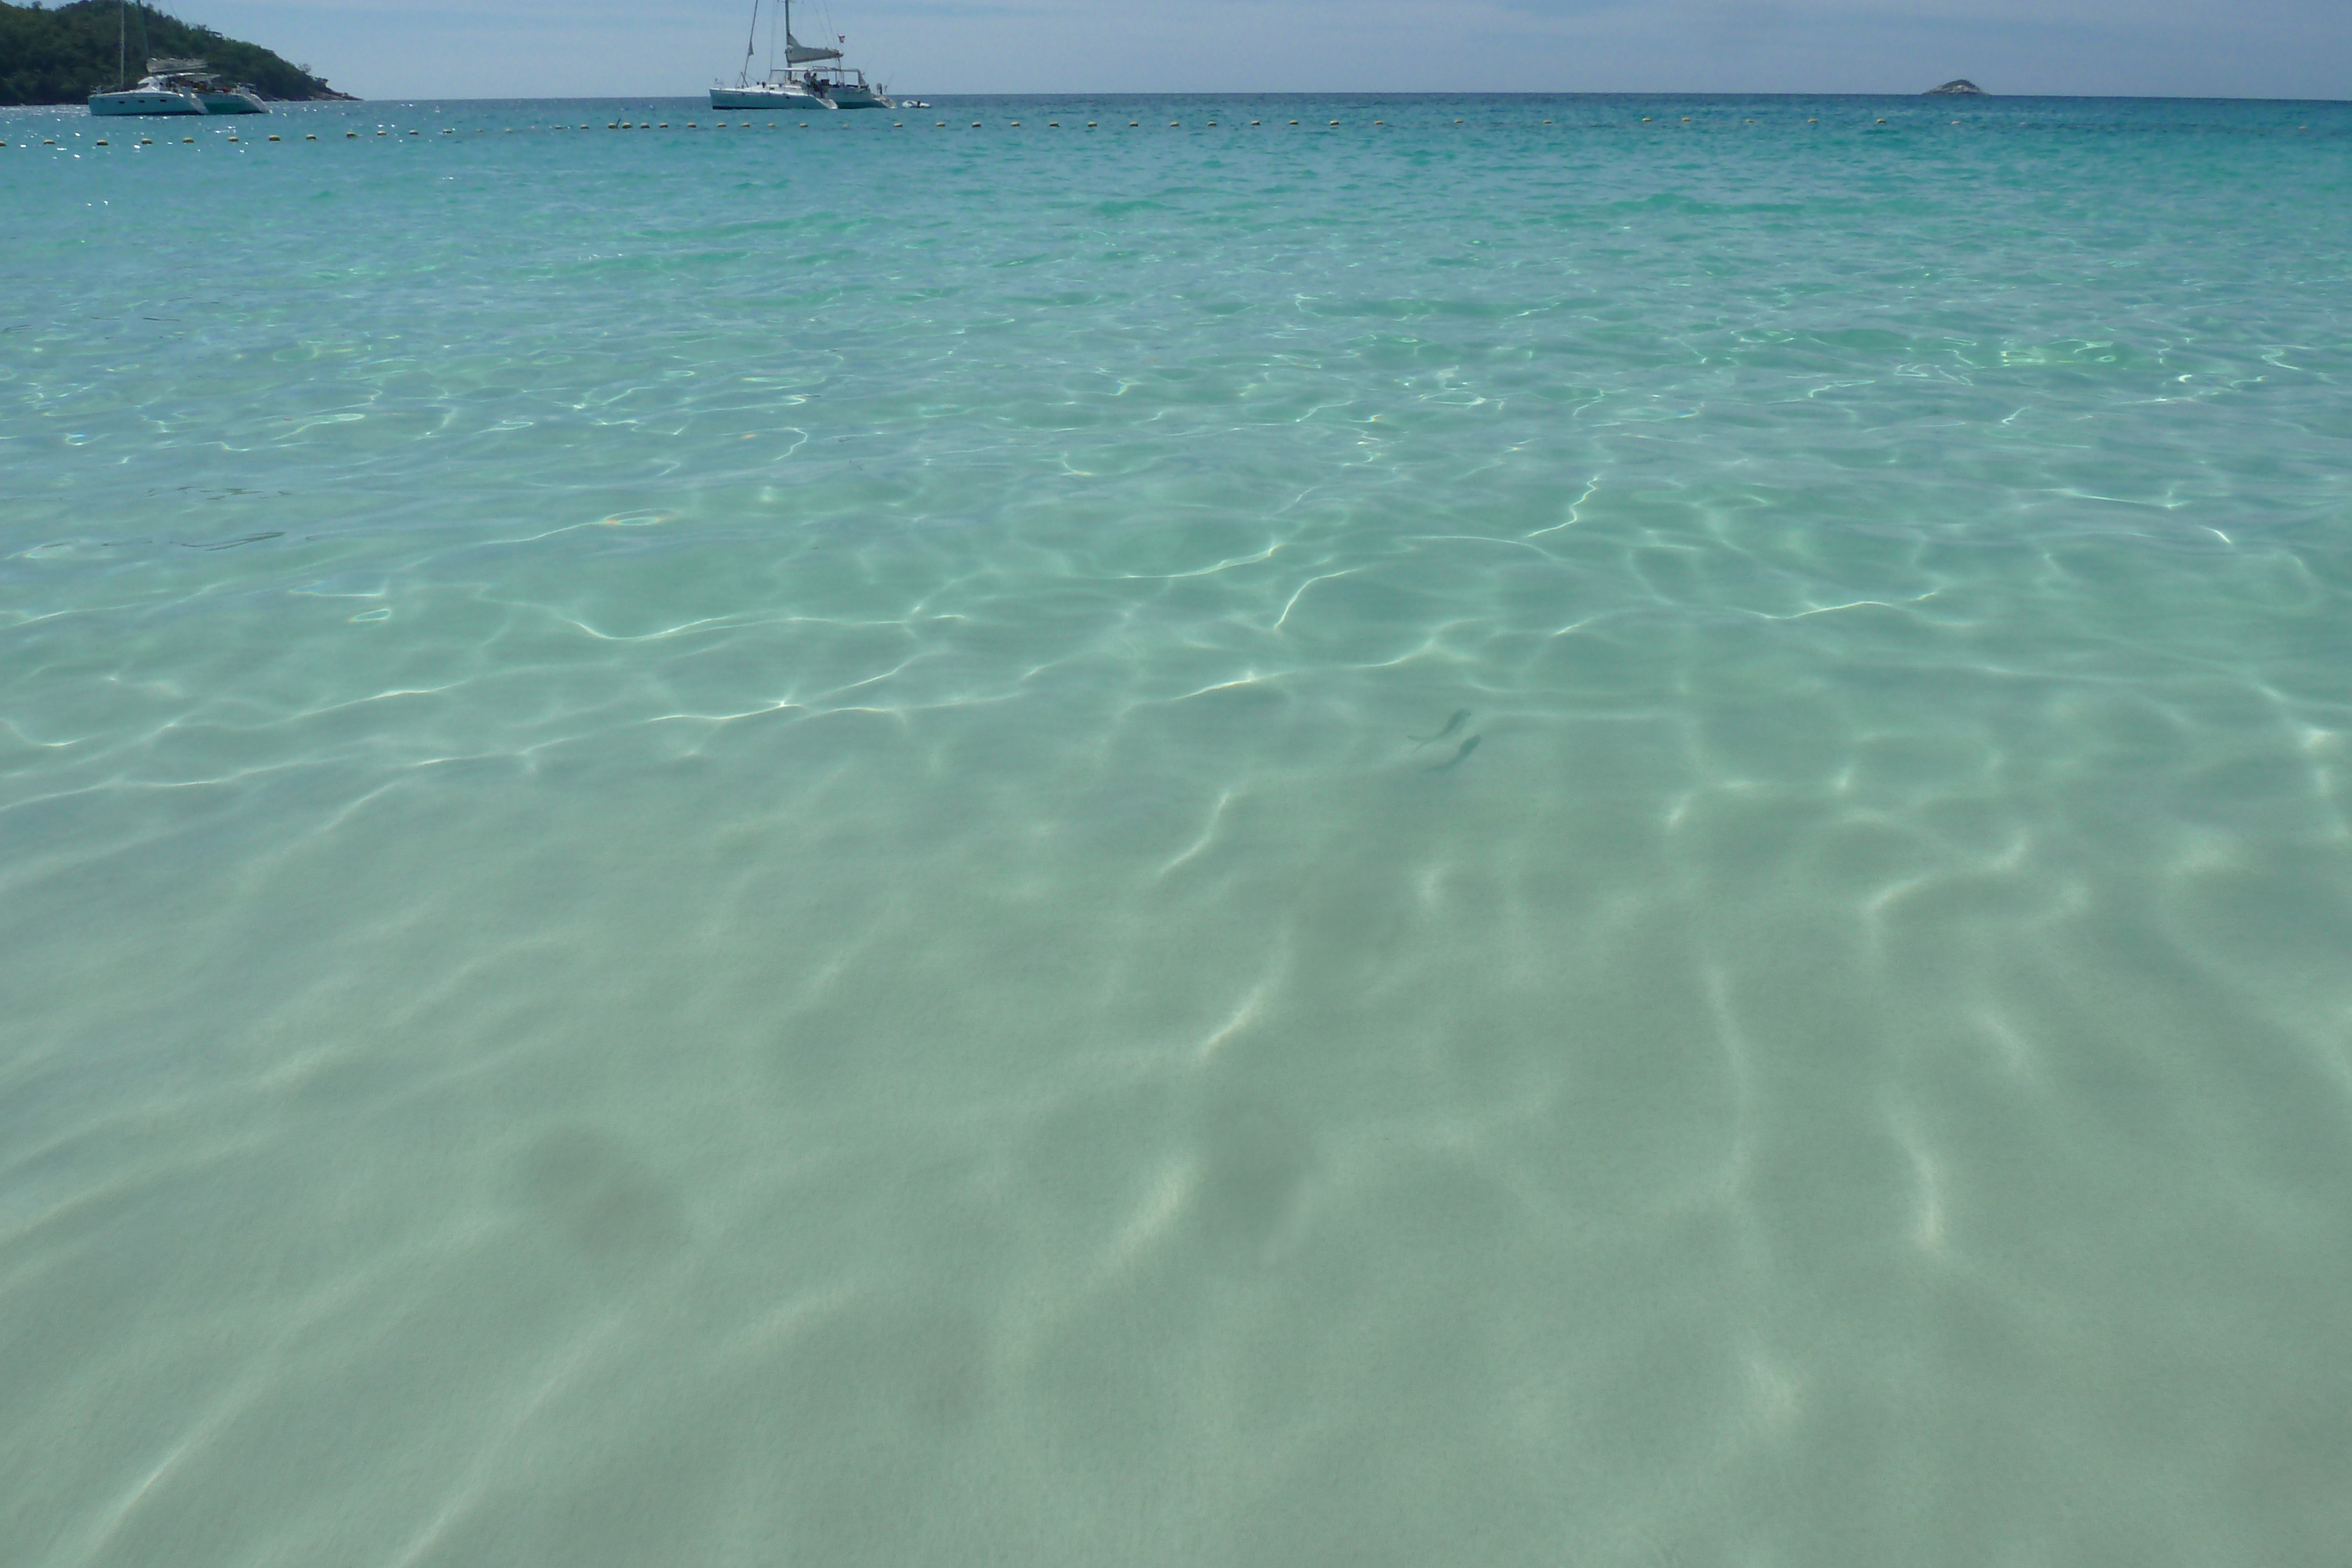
[{"x": 799, "y": 53}]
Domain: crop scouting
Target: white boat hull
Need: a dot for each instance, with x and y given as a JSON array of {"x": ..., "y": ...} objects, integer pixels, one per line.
[
  {"x": 237, "y": 102},
  {"x": 146, "y": 100},
  {"x": 758, "y": 96}
]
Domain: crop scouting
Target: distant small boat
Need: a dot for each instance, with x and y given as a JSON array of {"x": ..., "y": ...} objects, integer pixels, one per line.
[{"x": 813, "y": 86}]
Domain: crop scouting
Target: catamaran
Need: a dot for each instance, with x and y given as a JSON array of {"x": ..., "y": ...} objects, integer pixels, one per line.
[
  {"x": 178, "y": 86},
  {"x": 169, "y": 86},
  {"x": 813, "y": 85}
]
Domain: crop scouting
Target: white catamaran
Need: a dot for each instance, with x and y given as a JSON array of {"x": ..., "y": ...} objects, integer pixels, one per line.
[
  {"x": 804, "y": 83},
  {"x": 169, "y": 86}
]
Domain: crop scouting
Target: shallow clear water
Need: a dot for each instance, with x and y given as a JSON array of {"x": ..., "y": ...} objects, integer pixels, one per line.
[{"x": 747, "y": 847}]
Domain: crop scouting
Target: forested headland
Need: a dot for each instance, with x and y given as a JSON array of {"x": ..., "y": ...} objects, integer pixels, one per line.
[{"x": 63, "y": 54}]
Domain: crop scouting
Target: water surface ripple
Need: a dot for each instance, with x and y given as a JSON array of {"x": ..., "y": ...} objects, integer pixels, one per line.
[{"x": 1535, "y": 830}]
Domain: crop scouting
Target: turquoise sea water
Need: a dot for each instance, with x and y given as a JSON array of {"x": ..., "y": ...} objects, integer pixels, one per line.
[{"x": 749, "y": 846}]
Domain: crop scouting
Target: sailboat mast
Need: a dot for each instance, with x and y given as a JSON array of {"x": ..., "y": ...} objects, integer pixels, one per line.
[{"x": 122, "y": 44}]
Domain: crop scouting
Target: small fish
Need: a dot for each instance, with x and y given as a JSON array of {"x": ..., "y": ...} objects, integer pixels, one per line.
[
  {"x": 1460, "y": 717},
  {"x": 1468, "y": 747},
  {"x": 232, "y": 544}
]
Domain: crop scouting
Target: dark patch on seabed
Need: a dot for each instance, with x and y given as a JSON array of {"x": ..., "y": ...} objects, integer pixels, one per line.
[
  {"x": 1460, "y": 717},
  {"x": 231, "y": 544},
  {"x": 1468, "y": 747},
  {"x": 590, "y": 1188}
]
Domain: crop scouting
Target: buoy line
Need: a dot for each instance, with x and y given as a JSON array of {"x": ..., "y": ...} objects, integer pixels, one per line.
[{"x": 232, "y": 138}]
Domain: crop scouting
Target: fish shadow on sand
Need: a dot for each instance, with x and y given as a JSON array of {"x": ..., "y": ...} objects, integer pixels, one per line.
[
  {"x": 230, "y": 544},
  {"x": 1460, "y": 717},
  {"x": 1468, "y": 747}
]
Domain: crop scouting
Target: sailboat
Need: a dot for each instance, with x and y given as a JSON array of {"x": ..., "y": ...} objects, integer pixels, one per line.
[
  {"x": 807, "y": 81},
  {"x": 157, "y": 93}
]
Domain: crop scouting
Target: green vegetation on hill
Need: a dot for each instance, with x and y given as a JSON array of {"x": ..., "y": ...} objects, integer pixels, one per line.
[{"x": 62, "y": 56}]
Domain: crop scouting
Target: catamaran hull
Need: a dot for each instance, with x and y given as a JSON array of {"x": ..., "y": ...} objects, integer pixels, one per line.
[
  {"x": 231, "y": 102},
  {"x": 144, "y": 101},
  {"x": 758, "y": 97},
  {"x": 857, "y": 98}
]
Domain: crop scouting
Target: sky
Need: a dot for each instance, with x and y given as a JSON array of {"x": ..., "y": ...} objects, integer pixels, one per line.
[{"x": 561, "y": 49}]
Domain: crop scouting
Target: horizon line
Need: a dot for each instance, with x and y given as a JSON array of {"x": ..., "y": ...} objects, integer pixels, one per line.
[{"x": 1370, "y": 92}]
